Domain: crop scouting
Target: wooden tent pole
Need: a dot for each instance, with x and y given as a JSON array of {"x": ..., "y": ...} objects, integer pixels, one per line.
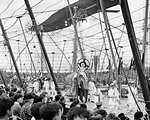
[
  {"x": 136, "y": 52},
  {"x": 107, "y": 31},
  {"x": 26, "y": 43},
  {"x": 41, "y": 44},
  {"x": 61, "y": 57},
  {"x": 11, "y": 53},
  {"x": 75, "y": 40},
  {"x": 145, "y": 33},
  {"x": 1, "y": 74}
]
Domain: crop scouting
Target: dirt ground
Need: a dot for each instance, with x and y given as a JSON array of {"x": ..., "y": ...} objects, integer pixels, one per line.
[{"x": 123, "y": 107}]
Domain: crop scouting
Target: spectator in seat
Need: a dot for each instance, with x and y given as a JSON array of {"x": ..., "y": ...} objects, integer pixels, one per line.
[
  {"x": 37, "y": 99},
  {"x": 5, "y": 108},
  {"x": 16, "y": 108},
  {"x": 35, "y": 110},
  {"x": 51, "y": 111},
  {"x": 77, "y": 113},
  {"x": 138, "y": 115},
  {"x": 26, "y": 108}
]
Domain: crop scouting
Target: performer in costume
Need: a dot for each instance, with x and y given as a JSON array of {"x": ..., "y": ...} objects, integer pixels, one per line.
[
  {"x": 36, "y": 86},
  {"x": 30, "y": 87},
  {"x": 82, "y": 68},
  {"x": 46, "y": 85},
  {"x": 92, "y": 90},
  {"x": 113, "y": 95},
  {"x": 100, "y": 95},
  {"x": 52, "y": 85}
]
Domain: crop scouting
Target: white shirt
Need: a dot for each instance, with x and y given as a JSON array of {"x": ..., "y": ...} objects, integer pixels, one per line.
[
  {"x": 91, "y": 86},
  {"x": 114, "y": 96}
]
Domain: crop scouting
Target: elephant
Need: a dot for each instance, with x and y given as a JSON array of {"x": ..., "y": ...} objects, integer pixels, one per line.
[
  {"x": 82, "y": 84},
  {"x": 78, "y": 86}
]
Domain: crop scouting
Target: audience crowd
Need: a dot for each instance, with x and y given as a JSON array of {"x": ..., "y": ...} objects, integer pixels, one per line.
[{"x": 17, "y": 104}]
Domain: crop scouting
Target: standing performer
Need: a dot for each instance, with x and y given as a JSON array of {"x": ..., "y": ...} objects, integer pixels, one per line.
[
  {"x": 30, "y": 87},
  {"x": 100, "y": 95},
  {"x": 52, "y": 85},
  {"x": 46, "y": 85},
  {"x": 53, "y": 91},
  {"x": 82, "y": 68},
  {"x": 113, "y": 95},
  {"x": 92, "y": 90},
  {"x": 36, "y": 86}
]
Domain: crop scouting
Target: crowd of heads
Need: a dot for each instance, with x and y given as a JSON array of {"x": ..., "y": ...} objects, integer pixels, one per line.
[
  {"x": 32, "y": 109},
  {"x": 16, "y": 104}
]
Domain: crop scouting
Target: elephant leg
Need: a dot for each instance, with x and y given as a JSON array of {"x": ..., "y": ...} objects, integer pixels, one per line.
[
  {"x": 86, "y": 94},
  {"x": 81, "y": 94}
]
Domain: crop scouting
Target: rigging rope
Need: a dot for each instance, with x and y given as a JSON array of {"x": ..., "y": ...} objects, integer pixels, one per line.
[
  {"x": 62, "y": 56},
  {"x": 12, "y": 24},
  {"x": 59, "y": 48},
  {"x": 49, "y": 7},
  {"x": 23, "y": 50},
  {"x": 7, "y": 7},
  {"x": 14, "y": 12}
]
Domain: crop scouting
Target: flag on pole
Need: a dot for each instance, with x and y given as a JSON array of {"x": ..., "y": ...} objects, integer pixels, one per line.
[
  {"x": 132, "y": 65},
  {"x": 95, "y": 64},
  {"x": 109, "y": 65}
]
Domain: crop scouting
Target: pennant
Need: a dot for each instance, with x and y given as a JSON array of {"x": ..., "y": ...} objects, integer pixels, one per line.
[
  {"x": 109, "y": 65},
  {"x": 120, "y": 66},
  {"x": 143, "y": 58},
  {"x": 95, "y": 64}
]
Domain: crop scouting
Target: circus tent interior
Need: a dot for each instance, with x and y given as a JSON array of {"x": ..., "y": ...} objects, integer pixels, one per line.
[{"x": 59, "y": 43}]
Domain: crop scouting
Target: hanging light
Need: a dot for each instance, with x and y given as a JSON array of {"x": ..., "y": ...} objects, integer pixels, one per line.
[
  {"x": 17, "y": 40},
  {"x": 53, "y": 52},
  {"x": 92, "y": 50}
]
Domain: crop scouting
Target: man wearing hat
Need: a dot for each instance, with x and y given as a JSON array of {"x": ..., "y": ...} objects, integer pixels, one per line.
[
  {"x": 98, "y": 106},
  {"x": 113, "y": 95}
]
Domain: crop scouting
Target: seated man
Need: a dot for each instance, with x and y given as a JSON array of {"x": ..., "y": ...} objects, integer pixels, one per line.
[
  {"x": 77, "y": 113},
  {"x": 25, "y": 113},
  {"x": 51, "y": 111},
  {"x": 98, "y": 106},
  {"x": 35, "y": 110},
  {"x": 16, "y": 108},
  {"x": 138, "y": 115},
  {"x": 5, "y": 108}
]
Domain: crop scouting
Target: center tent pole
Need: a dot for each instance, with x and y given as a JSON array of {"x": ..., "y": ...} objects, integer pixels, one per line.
[
  {"x": 11, "y": 53},
  {"x": 136, "y": 53},
  {"x": 41, "y": 44}
]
